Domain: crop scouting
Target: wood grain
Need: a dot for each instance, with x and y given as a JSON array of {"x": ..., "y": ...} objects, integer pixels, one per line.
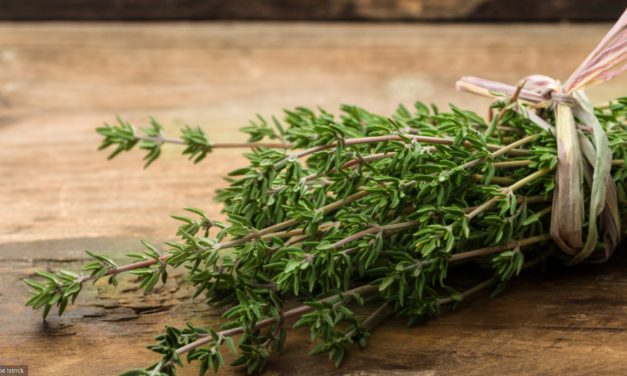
[{"x": 60, "y": 196}]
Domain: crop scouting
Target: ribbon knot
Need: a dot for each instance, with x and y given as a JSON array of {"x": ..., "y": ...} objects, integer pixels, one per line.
[
  {"x": 549, "y": 88},
  {"x": 584, "y": 155},
  {"x": 564, "y": 99}
]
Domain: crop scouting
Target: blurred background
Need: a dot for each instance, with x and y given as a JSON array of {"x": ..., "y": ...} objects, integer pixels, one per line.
[
  {"x": 68, "y": 66},
  {"x": 310, "y": 10}
]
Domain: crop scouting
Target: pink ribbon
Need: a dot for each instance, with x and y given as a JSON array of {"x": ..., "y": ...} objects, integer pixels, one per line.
[{"x": 584, "y": 155}]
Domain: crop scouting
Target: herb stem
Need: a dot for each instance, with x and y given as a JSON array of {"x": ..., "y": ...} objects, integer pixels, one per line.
[
  {"x": 498, "y": 117},
  {"x": 519, "y": 200},
  {"x": 480, "y": 252},
  {"x": 378, "y": 156},
  {"x": 471, "y": 291},
  {"x": 298, "y": 231},
  {"x": 374, "y": 319},
  {"x": 499, "y": 248},
  {"x": 377, "y": 316},
  {"x": 528, "y": 179},
  {"x": 511, "y": 148},
  {"x": 218, "y": 145},
  {"x": 291, "y": 222},
  {"x": 487, "y": 283},
  {"x": 416, "y": 138},
  {"x": 500, "y": 180},
  {"x": 507, "y": 190},
  {"x": 274, "y": 231},
  {"x": 502, "y": 150},
  {"x": 512, "y": 164},
  {"x": 374, "y": 230},
  {"x": 268, "y": 231},
  {"x": 125, "y": 268},
  {"x": 294, "y": 312}
]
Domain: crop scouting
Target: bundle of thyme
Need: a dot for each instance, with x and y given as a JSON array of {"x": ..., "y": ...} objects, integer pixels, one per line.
[{"x": 339, "y": 222}]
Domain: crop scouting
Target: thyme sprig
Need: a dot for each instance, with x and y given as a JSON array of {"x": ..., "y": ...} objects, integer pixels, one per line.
[
  {"x": 354, "y": 216},
  {"x": 125, "y": 137}
]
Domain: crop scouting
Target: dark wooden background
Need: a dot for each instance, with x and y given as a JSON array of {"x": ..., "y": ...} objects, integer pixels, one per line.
[{"x": 318, "y": 10}]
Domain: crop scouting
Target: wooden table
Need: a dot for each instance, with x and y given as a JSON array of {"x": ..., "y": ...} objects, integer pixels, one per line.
[{"x": 60, "y": 196}]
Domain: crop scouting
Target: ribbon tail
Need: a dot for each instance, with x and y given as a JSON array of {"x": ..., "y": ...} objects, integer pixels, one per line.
[
  {"x": 606, "y": 61},
  {"x": 567, "y": 213},
  {"x": 603, "y": 198}
]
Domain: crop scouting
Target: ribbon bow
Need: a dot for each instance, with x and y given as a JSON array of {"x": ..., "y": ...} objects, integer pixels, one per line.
[{"x": 583, "y": 150}]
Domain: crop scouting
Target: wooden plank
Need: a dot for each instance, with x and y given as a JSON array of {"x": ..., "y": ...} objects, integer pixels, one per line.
[
  {"x": 319, "y": 10},
  {"x": 59, "y": 196},
  {"x": 59, "y": 82},
  {"x": 568, "y": 321}
]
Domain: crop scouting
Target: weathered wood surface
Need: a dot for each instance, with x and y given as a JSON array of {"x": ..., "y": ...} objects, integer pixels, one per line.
[
  {"x": 321, "y": 10},
  {"x": 59, "y": 196}
]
